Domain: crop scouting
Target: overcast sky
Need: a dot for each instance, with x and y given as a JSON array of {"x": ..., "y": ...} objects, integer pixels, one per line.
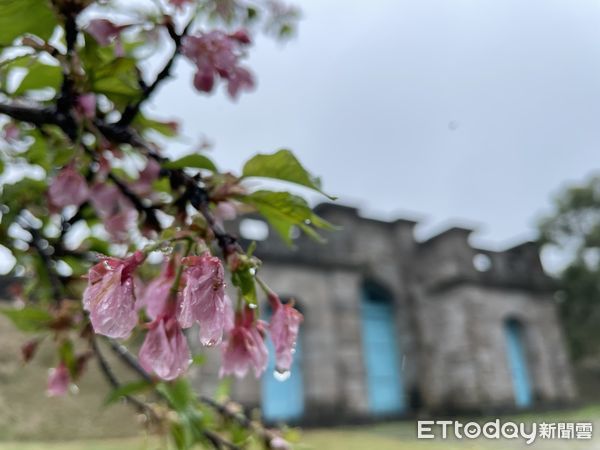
[{"x": 469, "y": 112}]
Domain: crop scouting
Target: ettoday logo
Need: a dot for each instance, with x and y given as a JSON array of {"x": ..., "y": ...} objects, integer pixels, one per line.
[{"x": 528, "y": 432}]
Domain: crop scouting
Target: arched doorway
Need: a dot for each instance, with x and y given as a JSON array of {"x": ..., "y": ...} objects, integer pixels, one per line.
[
  {"x": 381, "y": 351},
  {"x": 517, "y": 362},
  {"x": 283, "y": 394}
]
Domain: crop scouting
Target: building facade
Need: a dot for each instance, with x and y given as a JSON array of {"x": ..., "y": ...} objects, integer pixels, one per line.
[{"x": 398, "y": 327}]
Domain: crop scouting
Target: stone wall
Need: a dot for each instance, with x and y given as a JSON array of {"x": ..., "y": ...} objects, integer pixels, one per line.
[{"x": 449, "y": 316}]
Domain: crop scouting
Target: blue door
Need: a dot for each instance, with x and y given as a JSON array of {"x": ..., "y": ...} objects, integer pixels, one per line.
[
  {"x": 517, "y": 363},
  {"x": 283, "y": 394},
  {"x": 381, "y": 356}
]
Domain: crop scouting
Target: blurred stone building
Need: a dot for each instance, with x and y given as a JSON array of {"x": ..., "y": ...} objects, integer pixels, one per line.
[{"x": 396, "y": 327}]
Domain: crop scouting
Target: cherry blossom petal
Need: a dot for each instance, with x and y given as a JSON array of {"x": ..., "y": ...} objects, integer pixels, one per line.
[
  {"x": 58, "y": 381},
  {"x": 165, "y": 352}
]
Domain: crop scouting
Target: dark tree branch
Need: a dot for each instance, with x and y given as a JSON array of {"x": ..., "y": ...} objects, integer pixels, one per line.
[
  {"x": 147, "y": 90},
  {"x": 129, "y": 360},
  {"x": 219, "y": 442},
  {"x": 264, "y": 433},
  {"x": 55, "y": 282},
  {"x": 114, "y": 382},
  {"x": 149, "y": 211},
  {"x": 34, "y": 116}
]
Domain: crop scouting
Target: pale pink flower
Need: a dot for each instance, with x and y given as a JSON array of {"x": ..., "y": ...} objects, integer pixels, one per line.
[
  {"x": 203, "y": 297},
  {"x": 216, "y": 53},
  {"x": 115, "y": 210},
  {"x": 58, "y": 381},
  {"x": 165, "y": 352},
  {"x": 245, "y": 347},
  {"x": 229, "y": 314},
  {"x": 279, "y": 443},
  {"x": 68, "y": 188},
  {"x": 225, "y": 211},
  {"x": 179, "y": 4},
  {"x": 284, "y": 327},
  {"x": 110, "y": 296},
  {"x": 11, "y": 131},
  {"x": 86, "y": 105},
  {"x": 143, "y": 185},
  {"x": 105, "y": 32},
  {"x": 156, "y": 295},
  {"x": 239, "y": 80}
]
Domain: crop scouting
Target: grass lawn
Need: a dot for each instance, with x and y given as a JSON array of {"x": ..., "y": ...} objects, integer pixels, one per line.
[{"x": 389, "y": 436}]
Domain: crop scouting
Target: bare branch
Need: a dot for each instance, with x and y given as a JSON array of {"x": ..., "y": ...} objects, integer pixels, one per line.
[
  {"x": 114, "y": 382},
  {"x": 34, "y": 116},
  {"x": 132, "y": 110}
]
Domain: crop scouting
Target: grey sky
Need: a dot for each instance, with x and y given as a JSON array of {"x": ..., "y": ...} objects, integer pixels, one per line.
[{"x": 470, "y": 112}]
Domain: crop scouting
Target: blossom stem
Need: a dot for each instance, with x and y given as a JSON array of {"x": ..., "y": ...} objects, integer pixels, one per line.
[{"x": 177, "y": 281}]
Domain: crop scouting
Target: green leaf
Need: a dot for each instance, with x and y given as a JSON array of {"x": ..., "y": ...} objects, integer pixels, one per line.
[
  {"x": 168, "y": 129},
  {"x": 28, "y": 319},
  {"x": 124, "y": 390},
  {"x": 284, "y": 211},
  {"x": 179, "y": 394},
  {"x": 196, "y": 161},
  {"x": 18, "y": 17},
  {"x": 117, "y": 79},
  {"x": 67, "y": 356},
  {"x": 282, "y": 165},
  {"x": 198, "y": 360},
  {"x": 243, "y": 278},
  {"x": 40, "y": 76}
]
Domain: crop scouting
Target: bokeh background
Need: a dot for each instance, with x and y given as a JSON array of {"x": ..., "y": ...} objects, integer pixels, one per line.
[{"x": 449, "y": 113}]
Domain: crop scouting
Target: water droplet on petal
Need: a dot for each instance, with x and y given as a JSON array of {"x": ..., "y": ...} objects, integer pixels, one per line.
[{"x": 281, "y": 375}]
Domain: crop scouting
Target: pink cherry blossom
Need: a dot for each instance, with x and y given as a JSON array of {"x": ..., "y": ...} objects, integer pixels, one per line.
[
  {"x": 203, "y": 298},
  {"x": 68, "y": 188},
  {"x": 245, "y": 347},
  {"x": 116, "y": 211},
  {"x": 179, "y": 4},
  {"x": 86, "y": 105},
  {"x": 105, "y": 31},
  {"x": 156, "y": 295},
  {"x": 225, "y": 211},
  {"x": 143, "y": 185},
  {"x": 284, "y": 327},
  {"x": 165, "y": 352},
  {"x": 217, "y": 54},
  {"x": 58, "y": 381},
  {"x": 279, "y": 443},
  {"x": 11, "y": 131},
  {"x": 110, "y": 297}
]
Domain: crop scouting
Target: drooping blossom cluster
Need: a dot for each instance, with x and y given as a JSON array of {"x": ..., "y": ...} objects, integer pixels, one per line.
[
  {"x": 245, "y": 347},
  {"x": 174, "y": 303},
  {"x": 118, "y": 214},
  {"x": 217, "y": 54}
]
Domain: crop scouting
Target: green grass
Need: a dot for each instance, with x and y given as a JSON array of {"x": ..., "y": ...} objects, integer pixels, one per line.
[{"x": 388, "y": 436}]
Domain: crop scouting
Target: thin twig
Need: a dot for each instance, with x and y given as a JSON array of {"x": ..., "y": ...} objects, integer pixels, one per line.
[
  {"x": 129, "y": 360},
  {"x": 131, "y": 111},
  {"x": 114, "y": 382}
]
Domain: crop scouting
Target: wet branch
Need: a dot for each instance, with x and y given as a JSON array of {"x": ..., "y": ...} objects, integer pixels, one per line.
[
  {"x": 131, "y": 111},
  {"x": 114, "y": 382}
]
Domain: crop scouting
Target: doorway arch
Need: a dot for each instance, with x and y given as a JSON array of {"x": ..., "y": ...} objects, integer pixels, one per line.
[
  {"x": 514, "y": 332},
  {"x": 381, "y": 352}
]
